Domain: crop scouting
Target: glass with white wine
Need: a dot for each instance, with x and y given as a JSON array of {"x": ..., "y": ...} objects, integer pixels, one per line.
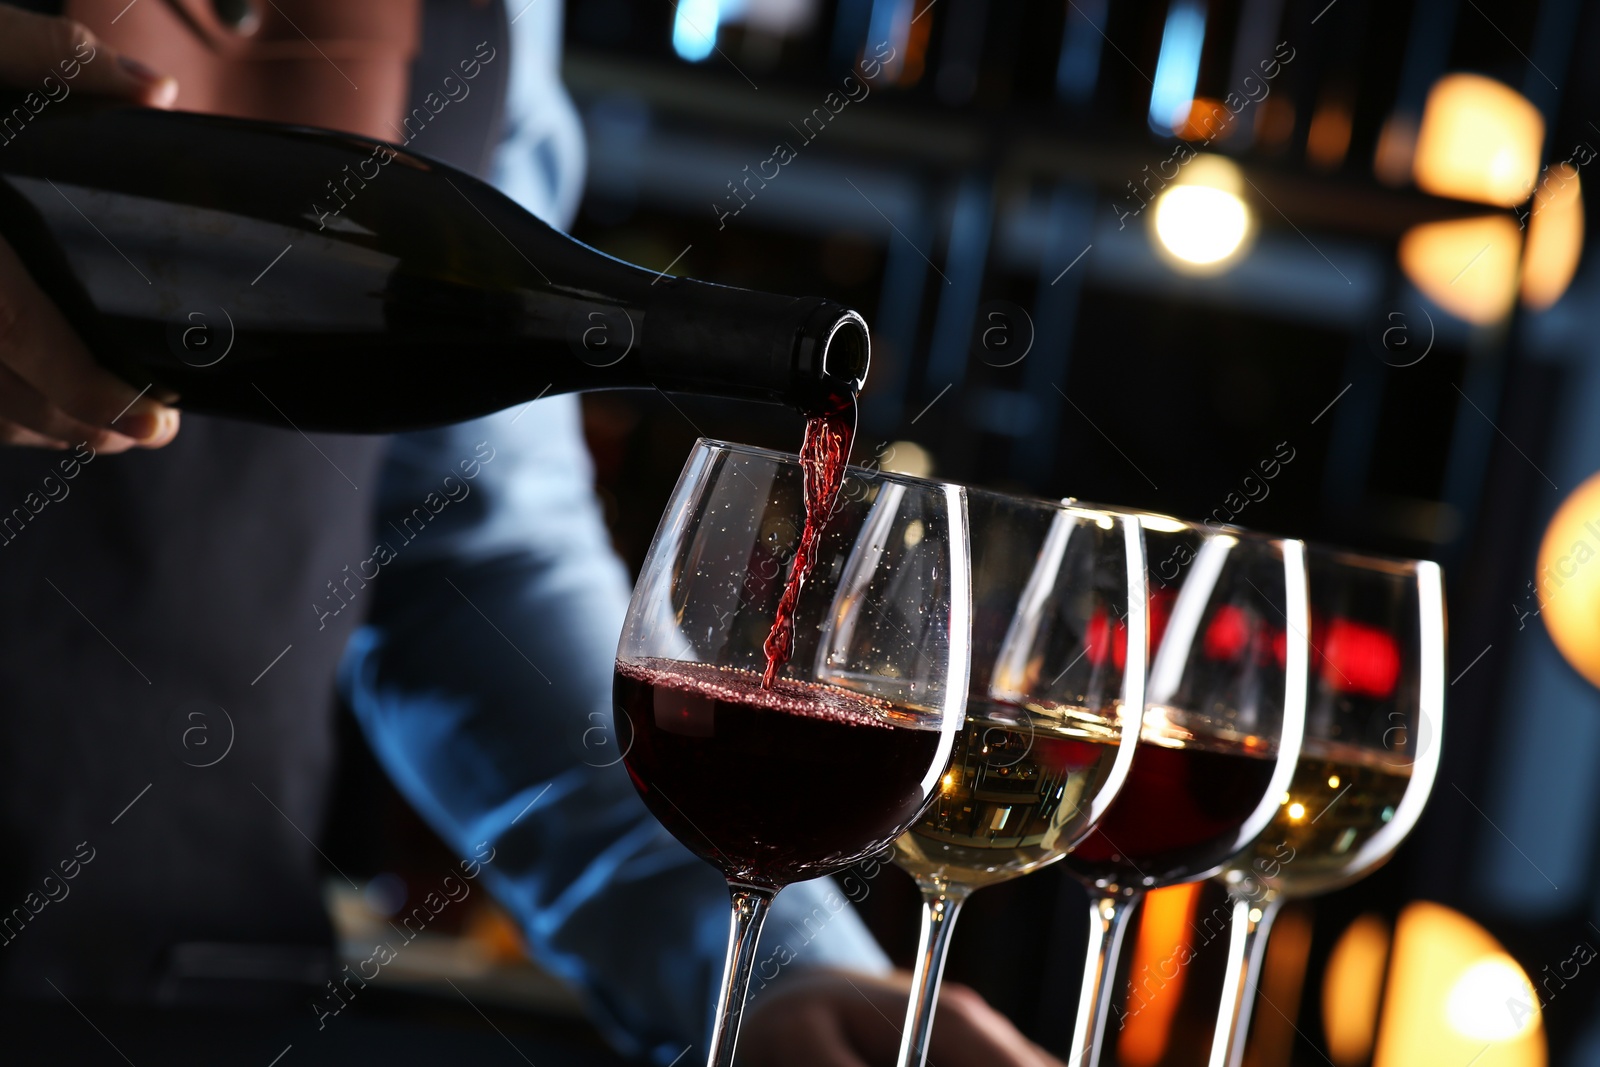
[
  {"x": 1374, "y": 721},
  {"x": 1058, "y": 651}
]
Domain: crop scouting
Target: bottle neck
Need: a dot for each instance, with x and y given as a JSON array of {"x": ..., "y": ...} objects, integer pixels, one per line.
[{"x": 808, "y": 352}]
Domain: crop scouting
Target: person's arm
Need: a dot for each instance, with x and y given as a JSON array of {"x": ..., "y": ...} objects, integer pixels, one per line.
[
  {"x": 52, "y": 392},
  {"x": 483, "y": 683}
]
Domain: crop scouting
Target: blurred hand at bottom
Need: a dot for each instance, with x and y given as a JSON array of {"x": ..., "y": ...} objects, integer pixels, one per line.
[{"x": 833, "y": 1018}]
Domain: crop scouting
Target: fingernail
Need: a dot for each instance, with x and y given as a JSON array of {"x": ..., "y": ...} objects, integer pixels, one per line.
[
  {"x": 165, "y": 93},
  {"x": 137, "y": 69},
  {"x": 139, "y": 425},
  {"x": 168, "y": 426}
]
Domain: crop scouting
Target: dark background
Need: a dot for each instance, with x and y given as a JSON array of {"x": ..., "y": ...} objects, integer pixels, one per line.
[{"x": 988, "y": 177}]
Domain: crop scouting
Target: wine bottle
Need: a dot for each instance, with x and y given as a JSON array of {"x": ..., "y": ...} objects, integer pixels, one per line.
[{"x": 283, "y": 273}]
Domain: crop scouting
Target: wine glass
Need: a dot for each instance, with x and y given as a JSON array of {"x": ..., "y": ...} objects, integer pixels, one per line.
[
  {"x": 1224, "y": 712},
  {"x": 1058, "y": 650},
  {"x": 773, "y": 785},
  {"x": 1374, "y": 721}
]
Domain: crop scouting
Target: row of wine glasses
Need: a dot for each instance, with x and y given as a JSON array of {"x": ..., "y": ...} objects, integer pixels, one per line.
[{"x": 989, "y": 684}]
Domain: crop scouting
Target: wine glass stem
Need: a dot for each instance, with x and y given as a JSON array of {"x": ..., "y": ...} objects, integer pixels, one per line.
[
  {"x": 939, "y": 911},
  {"x": 750, "y": 904},
  {"x": 1108, "y": 921},
  {"x": 1247, "y": 944}
]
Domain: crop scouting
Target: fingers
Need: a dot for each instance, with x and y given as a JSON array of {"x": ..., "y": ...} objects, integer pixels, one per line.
[
  {"x": 967, "y": 1032},
  {"x": 800, "y": 1039},
  {"x": 54, "y": 387},
  {"x": 872, "y": 1011},
  {"x": 54, "y": 56},
  {"x": 12, "y": 434},
  {"x": 52, "y": 392},
  {"x": 842, "y": 1019},
  {"x": 35, "y": 421},
  {"x": 795, "y": 1029}
]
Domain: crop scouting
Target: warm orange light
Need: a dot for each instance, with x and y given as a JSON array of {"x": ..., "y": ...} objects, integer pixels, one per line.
[
  {"x": 1456, "y": 997},
  {"x": 1207, "y": 120},
  {"x": 1160, "y": 963},
  {"x": 1283, "y": 974},
  {"x": 916, "y": 49},
  {"x": 497, "y": 934},
  {"x": 1350, "y": 989},
  {"x": 1566, "y": 589},
  {"x": 1328, "y": 139},
  {"x": 1555, "y": 236},
  {"x": 1479, "y": 140},
  {"x": 1397, "y": 146},
  {"x": 1466, "y": 266}
]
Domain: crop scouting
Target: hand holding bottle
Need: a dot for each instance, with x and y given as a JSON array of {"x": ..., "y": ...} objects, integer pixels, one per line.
[{"x": 53, "y": 394}]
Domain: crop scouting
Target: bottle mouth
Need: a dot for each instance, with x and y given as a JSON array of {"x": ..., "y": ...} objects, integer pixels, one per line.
[{"x": 847, "y": 353}]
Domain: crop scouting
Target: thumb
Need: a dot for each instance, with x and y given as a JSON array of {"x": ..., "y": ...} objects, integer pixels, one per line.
[{"x": 34, "y": 48}]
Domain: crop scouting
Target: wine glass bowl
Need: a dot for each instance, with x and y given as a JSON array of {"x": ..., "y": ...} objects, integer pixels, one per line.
[
  {"x": 827, "y": 766},
  {"x": 1373, "y": 722},
  {"x": 792, "y": 669},
  {"x": 1222, "y": 723},
  {"x": 1058, "y": 651},
  {"x": 1218, "y": 738},
  {"x": 1042, "y": 750}
]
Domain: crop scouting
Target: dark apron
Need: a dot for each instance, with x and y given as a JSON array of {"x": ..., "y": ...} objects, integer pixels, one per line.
[{"x": 166, "y": 683}]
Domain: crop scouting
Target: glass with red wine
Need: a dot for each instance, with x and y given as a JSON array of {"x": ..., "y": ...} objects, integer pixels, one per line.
[
  {"x": 1223, "y": 719},
  {"x": 792, "y": 672}
]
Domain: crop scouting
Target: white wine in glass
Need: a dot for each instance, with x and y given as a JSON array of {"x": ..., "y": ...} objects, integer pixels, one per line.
[
  {"x": 1374, "y": 722},
  {"x": 1058, "y": 647}
]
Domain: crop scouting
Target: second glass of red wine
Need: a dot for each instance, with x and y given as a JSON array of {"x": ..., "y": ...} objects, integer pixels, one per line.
[
  {"x": 1224, "y": 715},
  {"x": 789, "y": 752}
]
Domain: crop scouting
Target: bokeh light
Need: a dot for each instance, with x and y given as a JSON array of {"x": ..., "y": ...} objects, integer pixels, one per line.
[
  {"x": 1566, "y": 586},
  {"x": 1352, "y": 988},
  {"x": 1555, "y": 236},
  {"x": 1479, "y": 140},
  {"x": 1202, "y": 223},
  {"x": 1455, "y": 996},
  {"x": 1466, "y": 266}
]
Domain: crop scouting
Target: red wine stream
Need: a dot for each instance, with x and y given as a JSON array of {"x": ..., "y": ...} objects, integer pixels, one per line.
[{"x": 823, "y": 455}]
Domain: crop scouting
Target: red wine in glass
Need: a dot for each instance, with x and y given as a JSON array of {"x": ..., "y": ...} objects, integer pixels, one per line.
[
  {"x": 832, "y": 760},
  {"x": 773, "y": 785},
  {"x": 1183, "y": 810}
]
